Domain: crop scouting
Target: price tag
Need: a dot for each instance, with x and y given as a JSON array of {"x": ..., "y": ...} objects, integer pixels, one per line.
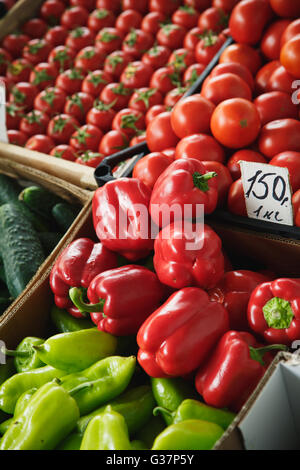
[
  {"x": 3, "y": 131},
  {"x": 267, "y": 192}
]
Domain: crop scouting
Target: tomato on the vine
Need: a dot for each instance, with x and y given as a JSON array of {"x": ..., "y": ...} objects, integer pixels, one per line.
[
  {"x": 14, "y": 43},
  {"x": 74, "y": 17},
  {"x": 100, "y": 19},
  {"x": 43, "y": 75},
  {"x": 56, "y": 36},
  {"x": 34, "y": 123},
  {"x": 113, "y": 5},
  {"x": 109, "y": 40},
  {"x": 116, "y": 62},
  {"x": 50, "y": 101},
  {"x": 61, "y": 128},
  {"x": 40, "y": 143},
  {"x": 192, "y": 38},
  {"x": 156, "y": 57},
  {"x": 144, "y": 98},
  {"x": 139, "y": 5},
  {"x": 181, "y": 59},
  {"x": 129, "y": 121},
  {"x": 62, "y": 57},
  {"x": 213, "y": 19},
  {"x": 127, "y": 20},
  {"x": 79, "y": 38},
  {"x": 171, "y": 36},
  {"x": 65, "y": 152},
  {"x": 88, "y": 4},
  {"x": 186, "y": 16},
  {"x": 173, "y": 96},
  {"x": 70, "y": 81},
  {"x": 165, "y": 79},
  {"x": 136, "y": 75},
  {"x": 95, "y": 81},
  {"x": 152, "y": 22},
  {"x": 90, "y": 158},
  {"x": 51, "y": 11},
  {"x": 14, "y": 114},
  {"x": 89, "y": 58},
  {"x": 112, "y": 142},
  {"x": 78, "y": 105},
  {"x": 155, "y": 111},
  {"x": 192, "y": 74},
  {"x": 23, "y": 95},
  {"x": 87, "y": 137},
  {"x": 137, "y": 42},
  {"x": 5, "y": 59},
  {"x": 164, "y": 7},
  {"x": 36, "y": 50},
  {"x": 101, "y": 115},
  {"x": 19, "y": 71},
  {"x": 35, "y": 28},
  {"x": 16, "y": 137},
  {"x": 117, "y": 93},
  {"x": 208, "y": 47}
]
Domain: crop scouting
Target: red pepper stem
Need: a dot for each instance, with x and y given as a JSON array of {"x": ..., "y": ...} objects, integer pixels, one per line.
[
  {"x": 159, "y": 409},
  {"x": 76, "y": 295},
  {"x": 12, "y": 353},
  {"x": 200, "y": 181},
  {"x": 257, "y": 354},
  {"x": 80, "y": 387}
]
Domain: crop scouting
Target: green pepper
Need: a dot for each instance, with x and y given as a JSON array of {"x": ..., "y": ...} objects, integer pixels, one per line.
[
  {"x": 109, "y": 378},
  {"x": 138, "y": 445},
  {"x": 149, "y": 432},
  {"x": 193, "y": 409},
  {"x": 192, "y": 434},
  {"x": 169, "y": 393},
  {"x": 107, "y": 431},
  {"x": 72, "y": 442},
  {"x": 66, "y": 323},
  {"x": 20, "y": 407},
  {"x": 48, "y": 418},
  {"x": 135, "y": 405},
  {"x": 26, "y": 357},
  {"x": 16, "y": 385},
  {"x": 78, "y": 350},
  {"x": 7, "y": 370}
]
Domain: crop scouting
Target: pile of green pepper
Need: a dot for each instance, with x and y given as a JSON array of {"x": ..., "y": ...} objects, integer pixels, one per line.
[{"x": 76, "y": 391}]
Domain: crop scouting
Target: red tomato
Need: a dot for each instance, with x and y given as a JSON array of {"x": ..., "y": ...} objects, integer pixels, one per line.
[
  {"x": 88, "y": 4},
  {"x": 144, "y": 98},
  {"x": 14, "y": 43},
  {"x": 200, "y": 5},
  {"x": 108, "y": 40},
  {"x": 8, "y": 83},
  {"x": 79, "y": 38},
  {"x": 116, "y": 62},
  {"x": 296, "y": 207},
  {"x": 129, "y": 122},
  {"x": 89, "y": 59},
  {"x": 113, "y": 5},
  {"x": 16, "y": 137},
  {"x": 152, "y": 21},
  {"x": 236, "y": 199},
  {"x": 186, "y": 16},
  {"x": 95, "y": 81},
  {"x": 36, "y": 50},
  {"x": 165, "y": 79},
  {"x": 100, "y": 19},
  {"x": 181, "y": 59},
  {"x": 173, "y": 96},
  {"x": 289, "y": 160},
  {"x": 160, "y": 134},
  {"x": 136, "y": 75},
  {"x": 74, "y": 17},
  {"x": 290, "y": 56},
  {"x": 213, "y": 19},
  {"x": 50, "y": 101},
  {"x": 40, "y": 143},
  {"x": 164, "y": 7},
  {"x": 78, "y": 105},
  {"x": 14, "y": 115},
  {"x": 91, "y": 159},
  {"x": 242, "y": 54},
  {"x": 117, "y": 93},
  {"x": 70, "y": 81},
  {"x": 192, "y": 74},
  {"x": 248, "y": 20},
  {"x": 191, "y": 116},
  {"x": 65, "y": 152},
  {"x": 43, "y": 75},
  {"x": 154, "y": 111},
  {"x": 52, "y": 10},
  {"x": 208, "y": 47},
  {"x": 291, "y": 31},
  {"x": 61, "y": 128},
  {"x": 235, "y": 123},
  {"x": 136, "y": 42},
  {"x": 279, "y": 136},
  {"x": 35, "y": 28},
  {"x": 270, "y": 43},
  {"x": 202, "y": 147},
  {"x": 286, "y": 8},
  {"x": 263, "y": 76},
  {"x": 56, "y": 36},
  {"x": 192, "y": 38},
  {"x": 235, "y": 68},
  {"x": 225, "y": 5},
  {"x": 280, "y": 80},
  {"x": 150, "y": 167},
  {"x": 171, "y": 36},
  {"x": 139, "y": 5},
  {"x": 138, "y": 139},
  {"x": 101, "y": 115},
  {"x": 113, "y": 142},
  {"x": 34, "y": 123},
  {"x": 19, "y": 71},
  {"x": 128, "y": 19},
  {"x": 224, "y": 87},
  {"x": 87, "y": 137},
  {"x": 246, "y": 155},
  {"x": 5, "y": 59},
  {"x": 223, "y": 178},
  {"x": 62, "y": 57},
  {"x": 23, "y": 95},
  {"x": 275, "y": 105},
  {"x": 156, "y": 57}
]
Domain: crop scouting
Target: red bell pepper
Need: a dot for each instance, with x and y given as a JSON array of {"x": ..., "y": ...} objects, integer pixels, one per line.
[
  {"x": 224, "y": 179},
  {"x": 178, "y": 337},
  {"x": 77, "y": 266},
  {"x": 121, "y": 217},
  {"x": 233, "y": 291},
  {"x": 274, "y": 310},
  {"x": 121, "y": 299},
  {"x": 185, "y": 181},
  {"x": 233, "y": 370},
  {"x": 178, "y": 267}
]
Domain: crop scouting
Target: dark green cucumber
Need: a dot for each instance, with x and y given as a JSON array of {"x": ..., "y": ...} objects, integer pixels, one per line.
[
  {"x": 9, "y": 189},
  {"x": 64, "y": 215},
  {"x": 49, "y": 241},
  {"x": 38, "y": 222},
  {"x": 39, "y": 200},
  {"x": 20, "y": 249},
  {"x": 2, "y": 272}
]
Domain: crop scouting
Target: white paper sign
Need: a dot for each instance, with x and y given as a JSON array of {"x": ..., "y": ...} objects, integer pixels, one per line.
[
  {"x": 3, "y": 131},
  {"x": 267, "y": 192}
]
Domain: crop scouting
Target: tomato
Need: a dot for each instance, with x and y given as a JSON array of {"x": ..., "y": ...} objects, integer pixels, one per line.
[
  {"x": 70, "y": 81},
  {"x": 108, "y": 40},
  {"x": 8, "y": 84},
  {"x": 19, "y": 71},
  {"x": 242, "y": 54},
  {"x": 186, "y": 16},
  {"x": 160, "y": 134},
  {"x": 173, "y": 96},
  {"x": 87, "y": 137},
  {"x": 91, "y": 159},
  {"x": 138, "y": 139},
  {"x": 144, "y": 98},
  {"x": 101, "y": 115},
  {"x": 113, "y": 142},
  {"x": 171, "y": 36},
  {"x": 139, "y": 5},
  {"x": 23, "y": 94},
  {"x": 95, "y": 81},
  {"x": 164, "y": 7},
  {"x": 89, "y": 59},
  {"x": 246, "y": 155},
  {"x": 61, "y": 128},
  {"x": 155, "y": 111},
  {"x": 65, "y": 152},
  {"x": 192, "y": 116},
  {"x": 16, "y": 137},
  {"x": 5, "y": 59},
  {"x": 137, "y": 42},
  {"x": 88, "y": 4},
  {"x": 192, "y": 38},
  {"x": 275, "y": 105},
  {"x": 271, "y": 41},
  {"x": 128, "y": 19},
  {"x": 150, "y": 167},
  {"x": 152, "y": 22},
  {"x": 235, "y": 68},
  {"x": 14, "y": 43},
  {"x": 213, "y": 19},
  {"x": 36, "y": 50},
  {"x": 56, "y": 36},
  {"x": 192, "y": 74},
  {"x": 202, "y": 147},
  {"x": 51, "y": 11},
  {"x": 100, "y": 19},
  {"x": 78, "y": 105},
  {"x": 136, "y": 75},
  {"x": 289, "y": 160},
  {"x": 225, "y": 86},
  {"x": 74, "y": 17},
  {"x": 181, "y": 59},
  {"x": 165, "y": 79},
  {"x": 40, "y": 143},
  {"x": 13, "y": 116},
  {"x": 235, "y": 123},
  {"x": 223, "y": 178},
  {"x": 62, "y": 57},
  {"x": 117, "y": 93},
  {"x": 43, "y": 75},
  {"x": 296, "y": 206},
  {"x": 50, "y": 101},
  {"x": 35, "y": 28},
  {"x": 113, "y": 5},
  {"x": 280, "y": 80},
  {"x": 34, "y": 123},
  {"x": 116, "y": 62},
  {"x": 208, "y": 47},
  {"x": 248, "y": 20},
  {"x": 263, "y": 76},
  {"x": 156, "y": 57},
  {"x": 286, "y": 8},
  {"x": 225, "y": 5},
  {"x": 279, "y": 136},
  {"x": 292, "y": 30},
  {"x": 129, "y": 121},
  {"x": 236, "y": 199},
  {"x": 79, "y": 38},
  {"x": 290, "y": 56}
]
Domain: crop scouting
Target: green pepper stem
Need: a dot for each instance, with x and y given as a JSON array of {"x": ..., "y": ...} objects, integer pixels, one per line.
[
  {"x": 257, "y": 354},
  {"x": 200, "y": 181},
  {"x": 76, "y": 295},
  {"x": 278, "y": 313},
  {"x": 80, "y": 387},
  {"x": 163, "y": 411},
  {"x": 13, "y": 353}
]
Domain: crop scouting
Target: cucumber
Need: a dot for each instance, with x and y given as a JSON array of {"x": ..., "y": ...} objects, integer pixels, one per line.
[
  {"x": 49, "y": 241},
  {"x": 2, "y": 272},
  {"x": 39, "y": 200},
  {"x": 9, "y": 189},
  {"x": 20, "y": 249},
  {"x": 64, "y": 215},
  {"x": 38, "y": 222}
]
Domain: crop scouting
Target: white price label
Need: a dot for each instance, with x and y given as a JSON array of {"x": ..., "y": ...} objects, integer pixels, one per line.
[
  {"x": 3, "y": 131},
  {"x": 267, "y": 192}
]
